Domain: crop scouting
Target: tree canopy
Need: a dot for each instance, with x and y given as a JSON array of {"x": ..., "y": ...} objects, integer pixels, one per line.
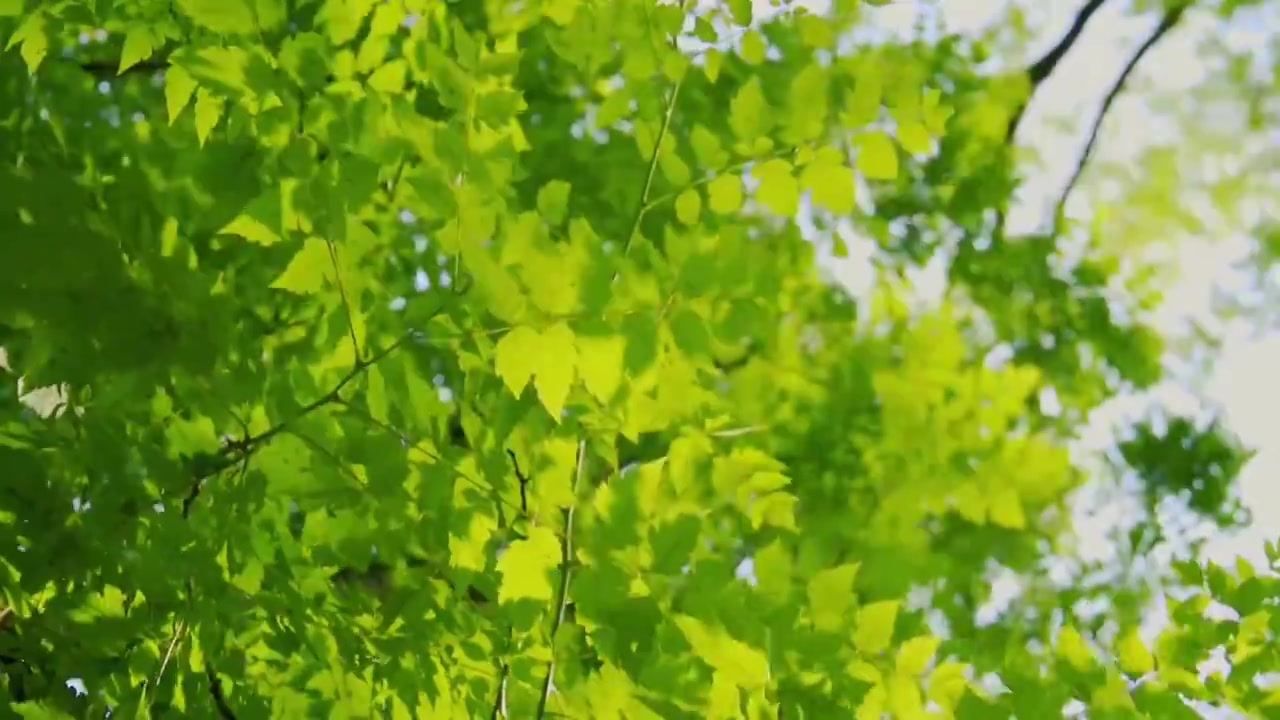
[{"x": 478, "y": 358}]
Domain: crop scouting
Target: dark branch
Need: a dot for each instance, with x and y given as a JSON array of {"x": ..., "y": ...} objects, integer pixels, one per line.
[
  {"x": 1046, "y": 65},
  {"x": 1041, "y": 69},
  {"x": 1167, "y": 23},
  {"x": 219, "y": 700},
  {"x": 105, "y": 69},
  {"x": 1037, "y": 74}
]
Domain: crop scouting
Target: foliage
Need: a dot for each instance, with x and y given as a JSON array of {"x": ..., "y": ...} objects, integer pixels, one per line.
[{"x": 462, "y": 359}]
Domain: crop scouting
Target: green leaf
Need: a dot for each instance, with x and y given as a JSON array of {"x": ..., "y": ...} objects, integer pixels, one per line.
[
  {"x": 831, "y": 594},
  {"x": 526, "y": 567},
  {"x": 553, "y": 201},
  {"x": 192, "y": 437},
  {"x": 749, "y": 115},
  {"x": 33, "y": 41},
  {"x": 516, "y": 358},
  {"x": 915, "y": 654},
  {"x": 1006, "y": 509},
  {"x": 1133, "y": 655},
  {"x": 690, "y": 332},
  {"x": 208, "y": 112},
  {"x": 864, "y": 104},
  {"x": 309, "y": 269},
  {"x": 707, "y": 148},
  {"x": 556, "y": 369},
  {"x": 779, "y": 192},
  {"x": 600, "y": 364},
  {"x": 741, "y": 664},
  {"x": 830, "y": 181},
  {"x": 137, "y": 47},
  {"x": 752, "y": 48},
  {"x": 377, "y": 394},
  {"x": 224, "y": 17},
  {"x": 914, "y": 138},
  {"x": 688, "y": 207},
  {"x": 874, "y": 626},
  {"x": 724, "y": 194},
  {"x": 561, "y": 12},
  {"x": 877, "y": 158},
  {"x": 1072, "y": 647},
  {"x": 389, "y": 78},
  {"x": 179, "y": 86}
]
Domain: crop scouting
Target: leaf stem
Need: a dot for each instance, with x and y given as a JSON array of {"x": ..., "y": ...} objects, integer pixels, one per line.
[
  {"x": 342, "y": 293},
  {"x": 562, "y": 600},
  {"x": 642, "y": 206}
]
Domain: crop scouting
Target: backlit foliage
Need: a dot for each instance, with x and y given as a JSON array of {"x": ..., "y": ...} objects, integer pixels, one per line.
[{"x": 466, "y": 359}]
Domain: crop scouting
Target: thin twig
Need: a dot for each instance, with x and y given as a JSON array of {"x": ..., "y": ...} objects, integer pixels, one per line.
[
  {"x": 562, "y": 600},
  {"x": 738, "y": 431},
  {"x": 328, "y": 398},
  {"x": 500, "y": 702},
  {"x": 706, "y": 179},
  {"x": 342, "y": 293},
  {"x": 524, "y": 483},
  {"x": 1167, "y": 23},
  {"x": 653, "y": 164},
  {"x": 149, "y": 697},
  {"x": 413, "y": 445}
]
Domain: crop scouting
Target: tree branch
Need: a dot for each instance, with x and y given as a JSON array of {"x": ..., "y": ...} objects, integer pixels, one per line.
[
  {"x": 1167, "y": 23},
  {"x": 1041, "y": 69},
  {"x": 500, "y": 701},
  {"x": 215, "y": 691}
]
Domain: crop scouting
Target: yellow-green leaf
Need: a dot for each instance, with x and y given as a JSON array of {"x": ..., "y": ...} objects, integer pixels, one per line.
[
  {"x": 743, "y": 665},
  {"x": 224, "y": 17},
  {"x": 752, "y": 49},
  {"x": 830, "y": 181},
  {"x": 553, "y": 201},
  {"x": 560, "y": 12},
  {"x": 779, "y": 192},
  {"x": 137, "y": 47},
  {"x": 877, "y": 158},
  {"x": 914, "y": 138},
  {"x": 1133, "y": 654},
  {"x": 390, "y": 77},
  {"x": 557, "y": 364},
  {"x": 749, "y": 112},
  {"x": 377, "y": 394},
  {"x": 525, "y": 567},
  {"x": 831, "y": 595},
  {"x": 688, "y": 206},
  {"x": 600, "y": 363},
  {"x": 915, "y": 654},
  {"x": 874, "y": 628},
  {"x": 516, "y": 357},
  {"x": 1072, "y": 647},
  {"x": 1006, "y": 508},
  {"x": 179, "y": 86},
  {"x": 307, "y": 272},
  {"x": 208, "y": 112},
  {"x": 724, "y": 194}
]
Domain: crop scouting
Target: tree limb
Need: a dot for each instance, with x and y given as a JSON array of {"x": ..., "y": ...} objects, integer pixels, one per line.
[
  {"x": 1167, "y": 23},
  {"x": 1041, "y": 69}
]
